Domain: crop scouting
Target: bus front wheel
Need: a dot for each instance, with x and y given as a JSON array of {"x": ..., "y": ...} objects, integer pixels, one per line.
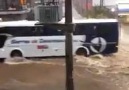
[{"x": 16, "y": 53}]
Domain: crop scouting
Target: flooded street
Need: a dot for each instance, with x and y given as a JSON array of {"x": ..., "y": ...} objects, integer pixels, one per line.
[
  {"x": 93, "y": 73},
  {"x": 116, "y": 66}
]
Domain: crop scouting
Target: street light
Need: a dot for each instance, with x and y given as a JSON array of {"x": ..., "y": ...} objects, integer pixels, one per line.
[{"x": 69, "y": 48}]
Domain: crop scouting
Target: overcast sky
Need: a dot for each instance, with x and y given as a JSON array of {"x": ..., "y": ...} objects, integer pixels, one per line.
[
  {"x": 109, "y": 2},
  {"x": 106, "y": 2}
]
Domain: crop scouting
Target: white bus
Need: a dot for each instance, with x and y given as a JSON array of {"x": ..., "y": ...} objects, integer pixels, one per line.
[{"x": 25, "y": 39}]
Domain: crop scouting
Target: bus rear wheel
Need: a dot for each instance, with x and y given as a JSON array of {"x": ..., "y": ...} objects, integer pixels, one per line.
[
  {"x": 16, "y": 53},
  {"x": 81, "y": 52},
  {"x": 2, "y": 60}
]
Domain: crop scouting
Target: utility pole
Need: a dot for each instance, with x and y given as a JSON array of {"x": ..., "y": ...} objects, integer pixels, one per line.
[
  {"x": 6, "y": 4},
  {"x": 68, "y": 27},
  {"x": 87, "y": 8},
  {"x": 101, "y": 3},
  {"x": 69, "y": 45}
]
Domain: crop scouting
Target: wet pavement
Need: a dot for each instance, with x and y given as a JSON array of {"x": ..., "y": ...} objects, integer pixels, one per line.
[{"x": 51, "y": 76}]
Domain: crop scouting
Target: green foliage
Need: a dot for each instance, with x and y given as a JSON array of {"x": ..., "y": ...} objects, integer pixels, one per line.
[{"x": 100, "y": 12}]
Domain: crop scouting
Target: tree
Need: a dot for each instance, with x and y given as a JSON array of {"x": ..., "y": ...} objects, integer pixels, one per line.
[{"x": 100, "y": 12}]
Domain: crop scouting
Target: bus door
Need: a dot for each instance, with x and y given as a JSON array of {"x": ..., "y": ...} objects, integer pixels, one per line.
[
  {"x": 92, "y": 38},
  {"x": 100, "y": 37},
  {"x": 87, "y": 29},
  {"x": 107, "y": 37},
  {"x": 3, "y": 38}
]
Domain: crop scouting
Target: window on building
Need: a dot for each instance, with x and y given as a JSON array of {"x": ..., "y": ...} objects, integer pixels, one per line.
[
  {"x": 2, "y": 5},
  {"x": 11, "y": 5}
]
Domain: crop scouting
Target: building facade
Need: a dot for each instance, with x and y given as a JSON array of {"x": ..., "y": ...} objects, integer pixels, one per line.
[
  {"x": 123, "y": 10},
  {"x": 13, "y": 9},
  {"x": 82, "y": 6}
]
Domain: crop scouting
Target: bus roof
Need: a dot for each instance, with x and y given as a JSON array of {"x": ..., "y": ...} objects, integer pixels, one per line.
[
  {"x": 85, "y": 20},
  {"x": 18, "y": 23},
  {"x": 27, "y": 23}
]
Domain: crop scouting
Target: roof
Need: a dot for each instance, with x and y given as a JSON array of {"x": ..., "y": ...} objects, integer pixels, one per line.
[
  {"x": 32, "y": 23},
  {"x": 85, "y": 20},
  {"x": 122, "y": 14},
  {"x": 122, "y": 1},
  {"x": 17, "y": 23}
]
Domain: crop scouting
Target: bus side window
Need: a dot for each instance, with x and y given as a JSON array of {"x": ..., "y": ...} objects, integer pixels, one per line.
[
  {"x": 104, "y": 29},
  {"x": 34, "y": 31},
  {"x": 85, "y": 29},
  {"x": 15, "y": 31},
  {"x": 60, "y": 32},
  {"x": 47, "y": 31},
  {"x": 39, "y": 31},
  {"x": 3, "y": 30},
  {"x": 25, "y": 31},
  {"x": 78, "y": 30}
]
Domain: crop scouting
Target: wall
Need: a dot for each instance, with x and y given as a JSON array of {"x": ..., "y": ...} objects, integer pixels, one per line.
[{"x": 106, "y": 2}]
